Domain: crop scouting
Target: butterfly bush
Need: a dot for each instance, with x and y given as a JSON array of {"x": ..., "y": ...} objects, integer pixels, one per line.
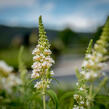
[
  {"x": 8, "y": 80},
  {"x": 91, "y": 70},
  {"x": 5, "y": 69},
  {"x": 42, "y": 60}
]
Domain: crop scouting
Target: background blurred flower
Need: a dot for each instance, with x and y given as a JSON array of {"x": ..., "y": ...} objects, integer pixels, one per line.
[
  {"x": 5, "y": 69},
  {"x": 8, "y": 80}
]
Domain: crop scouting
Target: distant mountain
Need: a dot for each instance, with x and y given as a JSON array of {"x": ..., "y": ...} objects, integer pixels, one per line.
[{"x": 8, "y": 33}]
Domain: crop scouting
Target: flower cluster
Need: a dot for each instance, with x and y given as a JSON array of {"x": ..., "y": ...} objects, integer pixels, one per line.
[
  {"x": 80, "y": 98},
  {"x": 91, "y": 68},
  {"x": 42, "y": 60},
  {"x": 8, "y": 80},
  {"x": 95, "y": 60},
  {"x": 5, "y": 69},
  {"x": 7, "y": 83}
]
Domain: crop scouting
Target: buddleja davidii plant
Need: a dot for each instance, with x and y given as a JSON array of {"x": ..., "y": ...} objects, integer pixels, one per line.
[
  {"x": 92, "y": 67},
  {"x": 81, "y": 93},
  {"x": 42, "y": 65}
]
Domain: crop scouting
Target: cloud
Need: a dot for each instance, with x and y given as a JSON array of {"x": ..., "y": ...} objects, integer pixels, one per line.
[
  {"x": 48, "y": 6},
  {"x": 42, "y": 9},
  {"x": 93, "y": 4},
  {"x": 30, "y": 17},
  {"x": 81, "y": 20},
  {"x": 13, "y": 3},
  {"x": 75, "y": 22},
  {"x": 85, "y": 17},
  {"x": 88, "y": 18}
]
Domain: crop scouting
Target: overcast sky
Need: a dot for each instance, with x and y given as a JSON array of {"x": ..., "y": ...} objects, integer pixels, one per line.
[{"x": 79, "y": 15}]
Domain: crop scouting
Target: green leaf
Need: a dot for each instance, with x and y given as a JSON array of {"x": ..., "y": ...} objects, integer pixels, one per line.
[
  {"x": 89, "y": 47},
  {"x": 22, "y": 68},
  {"x": 37, "y": 92},
  {"x": 53, "y": 96},
  {"x": 103, "y": 82},
  {"x": 29, "y": 82},
  {"x": 55, "y": 80},
  {"x": 78, "y": 73},
  {"x": 70, "y": 94},
  {"x": 67, "y": 95},
  {"x": 102, "y": 99}
]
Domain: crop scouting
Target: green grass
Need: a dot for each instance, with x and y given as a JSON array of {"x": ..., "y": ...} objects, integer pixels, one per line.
[{"x": 10, "y": 56}]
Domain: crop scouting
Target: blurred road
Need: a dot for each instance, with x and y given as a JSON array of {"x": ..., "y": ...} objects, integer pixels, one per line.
[{"x": 67, "y": 64}]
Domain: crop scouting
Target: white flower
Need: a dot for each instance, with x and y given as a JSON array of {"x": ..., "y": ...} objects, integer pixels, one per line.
[
  {"x": 85, "y": 63},
  {"x": 104, "y": 49},
  {"x": 81, "y": 97},
  {"x": 99, "y": 55},
  {"x": 15, "y": 80},
  {"x": 76, "y": 107},
  {"x": 42, "y": 83},
  {"x": 75, "y": 96},
  {"x": 49, "y": 81},
  {"x": 97, "y": 59},
  {"x": 49, "y": 59},
  {"x": 36, "y": 50},
  {"x": 88, "y": 55},
  {"x": 48, "y": 86},
  {"x": 52, "y": 73},
  {"x": 82, "y": 107},
  {"x": 81, "y": 88},
  {"x": 36, "y": 65},
  {"x": 35, "y": 75},
  {"x": 95, "y": 75},
  {"x": 87, "y": 75},
  {"x": 7, "y": 83},
  {"x": 42, "y": 55},
  {"x": 101, "y": 65},
  {"x": 48, "y": 52},
  {"x": 46, "y": 64},
  {"x": 91, "y": 62},
  {"x": 83, "y": 72},
  {"x": 96, "y": 46},
  {"x": 77, "y": 83},
  {"x": 87, "y": 103},
  {"x": 38, "y": 85},
  {"x": 82, "y": 102},
  {"x": 5, "y": 67},
  {"x": 37, "y": 57}
]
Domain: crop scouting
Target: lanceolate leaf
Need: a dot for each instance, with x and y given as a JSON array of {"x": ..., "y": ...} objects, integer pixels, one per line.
[
  {"x": 102, "y": 99},
  {"x": 103, "y": 82},
  {"x": 53, "y": 96},
  {"x": 78, "y": 74},
  {"x": 67, "y": 95}
]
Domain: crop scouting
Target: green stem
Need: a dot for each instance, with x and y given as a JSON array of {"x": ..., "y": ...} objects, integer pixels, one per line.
[
  {"x": 44, "y": 102},
  {"x": 90, "y": 95}
]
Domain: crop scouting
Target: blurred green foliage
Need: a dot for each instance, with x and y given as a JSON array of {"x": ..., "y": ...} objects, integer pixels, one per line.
[
  {"x": 97, "y": 34},
  {"x": 26, "y": 97},
  {"x": 67, "y": 36},
  {"x": 10, "y": 56},
  {"x": 74, "y": 40}
]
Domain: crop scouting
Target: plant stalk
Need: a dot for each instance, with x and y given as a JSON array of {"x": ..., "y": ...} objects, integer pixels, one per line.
[
  {"x": 44, "y": 102},
  {"x": 90, "y": 95}
]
